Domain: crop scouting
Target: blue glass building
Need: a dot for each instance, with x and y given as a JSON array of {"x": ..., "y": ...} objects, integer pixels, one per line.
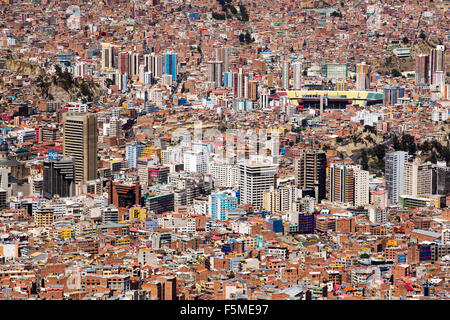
[{"x": 170, "y": 65}]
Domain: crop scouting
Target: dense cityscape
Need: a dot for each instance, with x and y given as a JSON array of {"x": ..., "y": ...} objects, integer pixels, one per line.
[{"x": 224, "y": 150}]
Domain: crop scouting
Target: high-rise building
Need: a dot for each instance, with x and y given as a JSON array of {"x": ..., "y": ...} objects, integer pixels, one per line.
[
  {"x": 394, "y": 174},
  {"x": 80, "y": 143},
  {"x": 132, "y": 153},
  {"x": 239, "y": 84},
  {"x": 154, "y": 63},
  {"x": 342, "y": 185},
  {"x": 362, "y": 192},
  {"x": 215, "y": 73},
  {"x": 196, "y": 161},
  {"x": 253, "y": 90},
  {"x": 255, "y": 179},
  {"x": 223, "y": 54},
  {"x": 362, "y": 77},
  {"x": 134, "y": 64},
  {"x": 124, "y": 63},
  {"x": 285, "y": 75},
  {"x": 224, "y": 175},
  {"x": 422, "y": 69},
  {"x": 124, "y": 194},
  {"x": 391, "y": 95},
  {"x": 310, "y": 172},
  {"x": 228, "y": 79},
  {"x": 107, "y": 56},
  {"x": 59, "y": 178},
  {"x": 418, "y": 178},
  {"x": 349, "y": 184},
  {"x": 437, "y": 63},
  {"x": 441, "y": 179},
  {"x": 219, "y": 204},
  {"x": 306, "y": 223},
  {"x": 264, "y": 101},
  {"x": 280, "y": 199},
  {"x": 170, "y": 65},
  {"x": 298, "y": 73}
]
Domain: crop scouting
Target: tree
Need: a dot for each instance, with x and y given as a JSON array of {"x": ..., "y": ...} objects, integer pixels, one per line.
[
  {"x": 218, "y": 16},
  {"x": 408, "y": 144},
  {"x": 395, "y": 143},
  {"x": 244, "y": 14},
  {"x": 396, "y": 73},
  {"x": 422, "y": 35},
  {"x": 248, "y": 38},
  {"x": 364, "y": 160}
]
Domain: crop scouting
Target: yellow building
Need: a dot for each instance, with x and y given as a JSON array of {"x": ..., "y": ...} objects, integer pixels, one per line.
[
  {"x": 253, "y": 90},
  {"x": 138, "y": 212},
  {"x": 123, "y": 242},
  {"x": 152, "y": 151},
  {"x": 341, "y": 85},
  {"x": 65, "y": 233},
  {"x": 438, "y": 199}
]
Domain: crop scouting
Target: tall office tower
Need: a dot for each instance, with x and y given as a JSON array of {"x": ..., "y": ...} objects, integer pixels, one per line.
[
  {"x": 417, "y": 178},
  {"x": 285, "y": 75},
  {"x": 441, "y": 179},
  {"x": 115, "y": 112},
  {"x": 422, "y": 69},
  {"x": 80, "y": 69},
  {"x": 245, "y": 87},
  {"x": 224, "y": 175},
  {"x": 134, "y": 64},
  {"x": 59, "y": 178},
  {"x": 270, "y": 80},
  {"x": 148, "y": 63},
  {"x": 170, "y": 65},
  {"x": 115, "y": 128},
  {"x": 264, "y": 101},
  {"x": 148, "y": 77},
  {"x": 141, "y": 73},
  {"x": 195, "y": 161},
  {"x": 391, "y": 95},
  {"x": 219, "y": 204},
  {"x": 238, "y": 83},
  {"x": 362, "y": 77},
  {"x": 228, "y": 79},
  {"x": 121, "y": 80},
  {"x": 254, "y": 179},
  {"x": 311, "y": 171},
  {"x": 124, "y": 63},
  {"x": 349, "y": 184},
  {"x": 298, "y": 73},
  {"x": 342, "y": 185},
  {"x": 80, "y": 143},
  {"x": 280, "y": 199},
  {"x": 215, "y": 73},
  {"x": 107, "y": 56},
  {"x": 436, "y": 63},
  {"x": 394, "y": 174},
  {"x": 156, "y": 65},
  {"x": 362, "y": 192},
  {"x": 223, "y": 54},
  {"x": 253, "y": 90}
]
